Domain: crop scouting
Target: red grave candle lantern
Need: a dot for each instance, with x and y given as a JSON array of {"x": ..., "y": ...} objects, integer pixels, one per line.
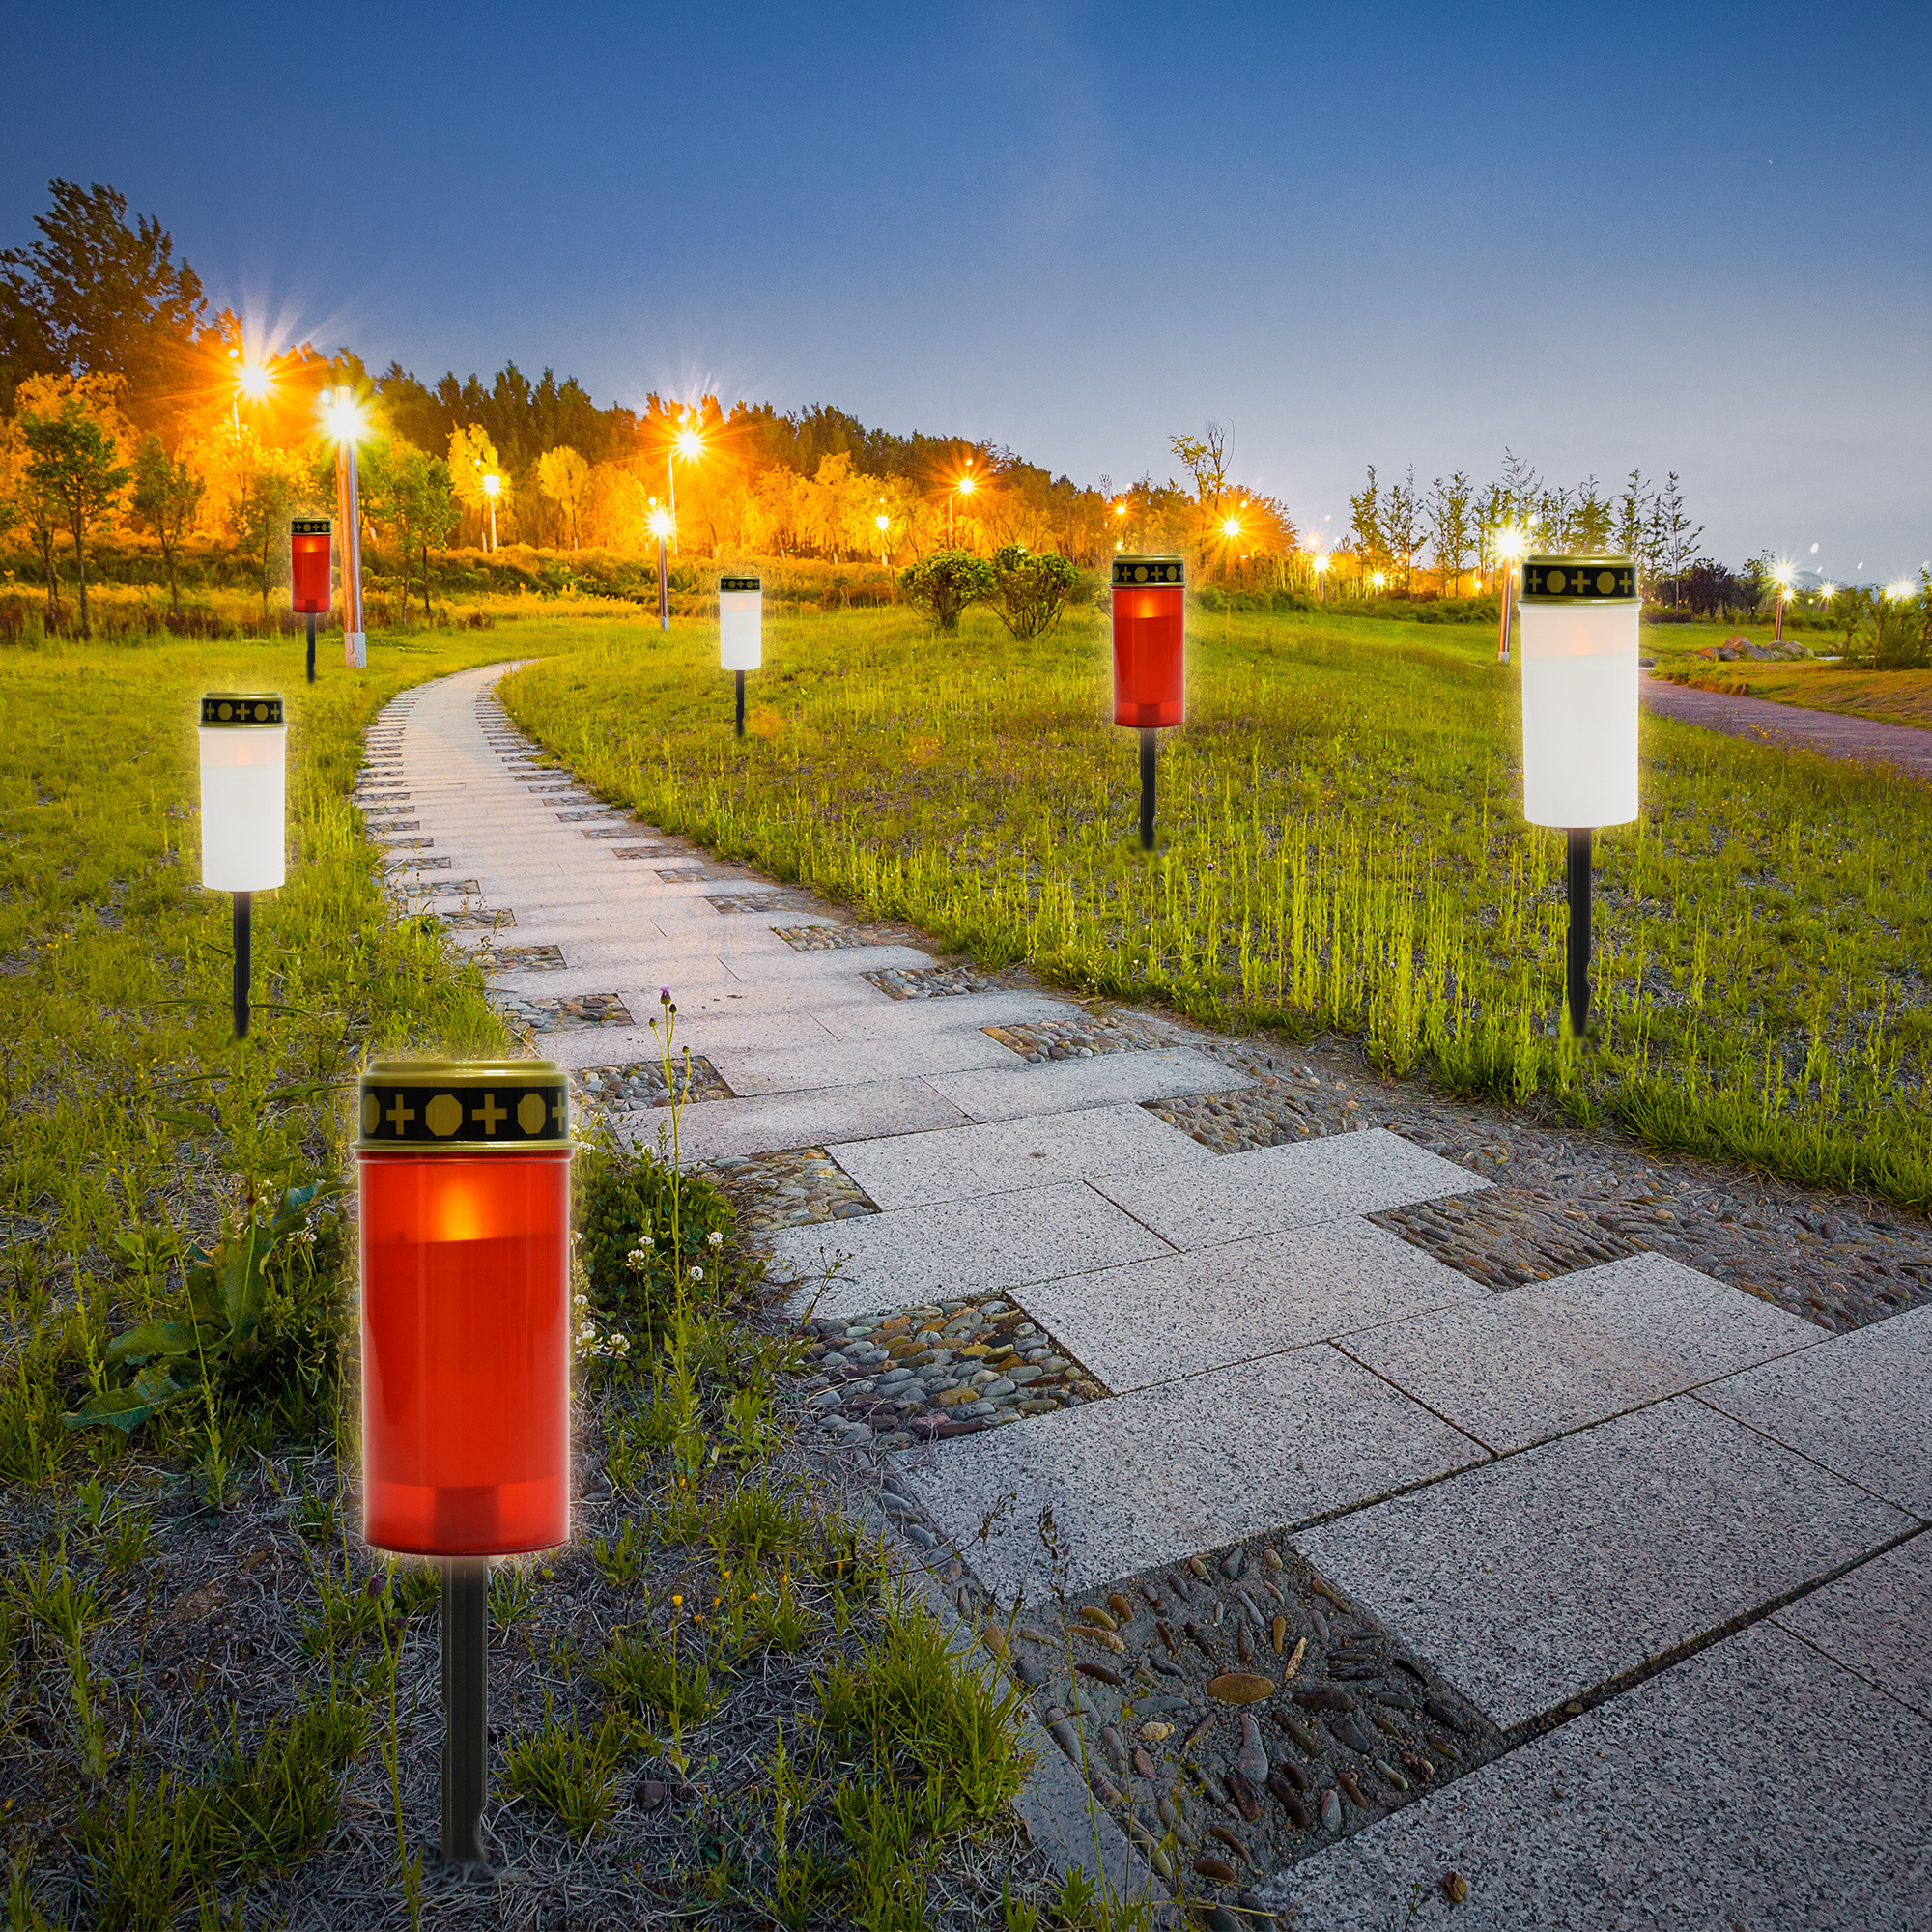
[
  {"x": 308, "y": 565},
  {"x": 1149, "y": 595},
  {"x": 465, "y": 1195}
]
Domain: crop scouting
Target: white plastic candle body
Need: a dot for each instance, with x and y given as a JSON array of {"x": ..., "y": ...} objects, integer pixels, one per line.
[
  {"x": 740, "y": 629},
  {"x": 241, "y": 787},
  {"x": 1579, "y": 713}
]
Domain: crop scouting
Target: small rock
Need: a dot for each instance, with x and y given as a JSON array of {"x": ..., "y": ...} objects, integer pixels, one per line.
[
  {"x": 1353, "y": 1732},
  {"x": 651, "y": 1794},
  {"x": 1105, "y": 1638},
  {"x": 1290, "y": 1800},
  {"x": 1122, "y": 1610},
  {"x": 1156, "y": 1733},
  {"x": 1062, "y": 1733},
  {"x": 1240, "y": 1687},
  {"x": 1143, "y": 1764},
  {"x": 1443, "y": 1713},
  {"x": 1232, "y": 1564},
  {"x": 1253, "y": 1762},
  {"x": 1200, "y": 1569},
  {"x": 1303, "y": 1736},
  {"x": 1100, "y": 1673},
  {"x": 1231, "y": 1841},
  {"x": 1278, "y": 1630},
  {"x": 1116, "y": 1752},
  {"x": 1246, "y": 1798},
  {"x": 1332, "y": 1809},
  {"x": 1269, "y": 1557},
  {"x": 1217, "y": 1870},
  {"x": 1351, "y": 1791},
  {"x": 1454, "y": 1888},
  {"x": 1323, "y": 1697},
  {"x": 1031, "y": 1671}
]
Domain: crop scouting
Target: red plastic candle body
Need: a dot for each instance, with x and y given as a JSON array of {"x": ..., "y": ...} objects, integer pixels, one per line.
[
  {"x": 1147, "y": 632},
  {"x": 308, "y": 565},
  {"x": 466, "y": 1352}
]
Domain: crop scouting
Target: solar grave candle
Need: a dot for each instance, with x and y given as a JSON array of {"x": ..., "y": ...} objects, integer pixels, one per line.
[
  {"x": 244, "y": 755},
  {"x": 464, "y": 1181},
  {"x": 1149, "y": 595},
  {"x": 308, "y": 573},
  {"x": 740, "y": 607},
  {"x": 1579, "y": 649}
]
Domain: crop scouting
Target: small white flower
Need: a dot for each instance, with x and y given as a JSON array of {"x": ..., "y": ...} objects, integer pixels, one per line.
[
  {"x": 588, "y": 1332},
  {"x": 697, "y": 1274},
  {"x": 714, "y": 1240}
]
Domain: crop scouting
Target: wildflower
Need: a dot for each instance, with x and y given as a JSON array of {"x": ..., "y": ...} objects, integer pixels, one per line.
[
  {"x": 714, "y": 1240},
  {"x": 697, "y": 1274},
  {"x": 677, "y": 1603},
  {"x": 663, "y": 996}
]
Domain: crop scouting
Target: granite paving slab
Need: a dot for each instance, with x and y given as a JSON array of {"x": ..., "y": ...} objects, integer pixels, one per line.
[
  {"x": 816, "y": 1117},
  {"x": 909, "y": 1170},
  {"x": 1563, "y": 1569},
  {"x": 1513, "y": 1369},
  {"x": 785, "y": 1069},
  {"x": 1857, "y": 1403},
  {"x": 1876, "y": 1621},
  {"x": 1062, "y": 1084},
  {"x": 1747, "y": 1789},
  {"x": 1157, "y": 1475},
  {"x": 991, "y": 1244},
  {"x": 1271, "y": 1189},
  {"x": 1180, "y": 1314}
]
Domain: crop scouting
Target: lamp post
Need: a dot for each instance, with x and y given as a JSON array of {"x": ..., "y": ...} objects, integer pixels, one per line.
[
  {"x": 308, "y": 573},
  {"x": 1320, "y": 566},
  {"x": 491, "y": 484},
  {"x": 1150, "y": 610},
  {"x": 661, "y": 525},
  {"x": 463, "y": 1175},
  {"x": 1580, "y": 711},
  {"x": 882, "y": 524},
  {"x": 740, "y": 630},
  {"x": 1509, "y": 547},
  {"x": 343, "y": 420},
  {"x": 689, "y": 445},
  {"x": 963, "y": 487},
  {"x": 1781, "y": 576},
  {"x": 243, "y": 757}
]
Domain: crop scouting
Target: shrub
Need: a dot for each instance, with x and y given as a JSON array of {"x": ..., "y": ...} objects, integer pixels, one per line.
[
  {"x": 627, "y": 1200},
  {"x": 1030, "y": 588},
  {"x": 945, "y": 583}
]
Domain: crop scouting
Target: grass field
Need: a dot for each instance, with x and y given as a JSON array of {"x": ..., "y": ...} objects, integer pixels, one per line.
[
  {"x": 1891, "y": 696},
  {"x": 1342, "y": 847}
]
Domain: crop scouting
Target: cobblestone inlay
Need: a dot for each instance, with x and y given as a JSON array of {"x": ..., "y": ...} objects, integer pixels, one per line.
[
  {"x": 578, "y": 817},
  {"x": 833, "y": 938},
  {"x": 441, "y": 864},
  {"x": 478, "y": 921},
  {"x": 1840, "y": 1260},
  {"x": 641, "y": 1082},
  {"x": 929, "y": 982},
  {"x": 1237, "y": 1714},
  {"x": 795, "y": 1188},
  {"x": 611, "y": 831},
  {"x": 523, "y": 959},
  {"x": 1077, "y": 1039},
  {"x": 567, "y": 784},
  {"x": 1508, "y": 1236},
  {"x": 944, "y": 1369},
  {"x": 729, "y": 903},
  {"x": 379, "y": 827},
  {"x": 408, "y": 845},
  {"x": 391, "y": 787},
  {"x": 566, "y": 1014},
  {"x": 651, "y": 851}
]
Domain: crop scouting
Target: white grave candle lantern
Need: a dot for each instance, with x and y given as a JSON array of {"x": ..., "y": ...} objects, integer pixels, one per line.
[
  {"x": 1579, "y": 650},
  {"x": 740, "y": 630},
  {"x": 243, "y": 747}
]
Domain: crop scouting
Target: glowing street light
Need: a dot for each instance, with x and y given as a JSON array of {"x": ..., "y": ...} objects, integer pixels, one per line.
[
  {"x": 688, "y": 444},
  {"x": 1580, "y": 711},
  {"x": 253, "y": 379},
  {"x": 882, "y": 523},
  {"x": 962, "y": 487},
  {"x": 1150, "y": 615},
  {"x": 463, "y": 1178},
  {"x": 1510, "y": 547},
  {"x": 1319, "y": 563},
  {"x": 492, "y": 485},
  {"x": 344, "y": 423},
  {"x": 740, "y": 630},
  {"x": 659, "y": 524},
  {"x": 243, "y": 786},
  {"x": 1378, "y": 579},
  {"x": 1781, "y": 576}
]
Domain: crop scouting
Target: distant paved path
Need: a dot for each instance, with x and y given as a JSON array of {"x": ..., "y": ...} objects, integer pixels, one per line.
[{"x": 1862, "y": 740}]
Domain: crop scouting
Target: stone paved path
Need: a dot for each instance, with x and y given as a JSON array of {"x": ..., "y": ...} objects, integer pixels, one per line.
[
  {"x": 1627, "y": 1562},
  {"x": 1864, "y": 740}
]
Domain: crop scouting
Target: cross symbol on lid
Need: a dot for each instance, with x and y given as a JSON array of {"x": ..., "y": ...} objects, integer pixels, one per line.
[
  {"x": 489, "y": 1113},
  {"x": 401, "y": 1116},
  {"x": 556, "y": 1112}
]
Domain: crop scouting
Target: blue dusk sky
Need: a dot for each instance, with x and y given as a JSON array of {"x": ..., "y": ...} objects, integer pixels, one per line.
[{"x": 1666, "y": 236}]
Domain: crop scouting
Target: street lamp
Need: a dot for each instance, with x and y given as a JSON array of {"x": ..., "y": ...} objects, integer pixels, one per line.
[
  {"x": 253, "y": 379},
  {"x": 1150, "y": 610},
  {"x": 308, "y": 573},
  {"x": 740, "y": 630},
  {"x": 463, "y": 1177},
  {"x": 1510, "y": 546},
  {"x": 1579, "y": 710},
  {"x": 963, "y": 487},
  {"x": 883, "y": 523},
  {"x": 491, "y": 484},
  {"x": 344, "y": 423},
  {"x": 1781, "y": 576},
  {"x": 661, "y": 525},
  {"x": 689, "y": 445},
  {"x": 1319, "y": 563},
  {"x": 243, "y": 755}
]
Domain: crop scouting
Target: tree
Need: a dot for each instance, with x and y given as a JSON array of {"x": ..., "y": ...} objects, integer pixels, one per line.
[
  {"x": 259, "y": 515},
  {"x": 1630, "y": 527},
  {"x": 1448, "y": 516},
  {"x": 1402, "y": 526},
  {"x": 1673, "y": 535},
  {"x": 945, "y": 583},
  {"x": 94, "y": 295},
  {"x": 1205, "y": 459},
  {"x": 472, "y": 457},
  {"x": 1592, "y": 519},
  {"x": 564, "y": 477},
  {"x": 424, "y": 509},
  {"x": 1030, "y": 588},
  {"x": 71, "y": 464},
  {"x": 166, "y": 498},
  {"x": 1365, "y": 532}
]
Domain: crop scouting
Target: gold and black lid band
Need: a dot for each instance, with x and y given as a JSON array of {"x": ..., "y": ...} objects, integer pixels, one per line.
[
  {"x": 236, "y": 708},
  {"x": 740, "y": 584},
  {"x": 463, "y": 1106},
  {"x": 1132, "y": 572},
  {"x": 1578, "y": 580},
  {"x": 308, "y": 526}
]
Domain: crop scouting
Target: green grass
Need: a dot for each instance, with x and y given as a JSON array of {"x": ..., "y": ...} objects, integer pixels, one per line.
[
  {"x": 1342, "y": 848},
  {"x": 1891, "y": 697}
]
